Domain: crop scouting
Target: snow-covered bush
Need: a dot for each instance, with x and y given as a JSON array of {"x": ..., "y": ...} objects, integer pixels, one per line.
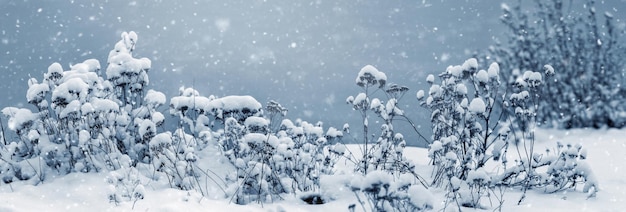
[
  {"x": 386, "y": 152},
  {"x": 468, "y": 134},
  {"x": 128, "y": 75},
  {"x": 271, "y": 161},
  {"x": 585, "y": 49},
  {"x": 518, "y": 132},
  {"x": 463, "y": 120},
  {"x": 383, "y": 163},
  {"x": 174, "y": 154},
  {"x": 562, "y": 168},
  {"x": 125, "y": 184},
  {"x": 83, "y": 121}
]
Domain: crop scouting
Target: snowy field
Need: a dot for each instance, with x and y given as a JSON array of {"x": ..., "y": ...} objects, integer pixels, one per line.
[{"x": 81, "y": 192}]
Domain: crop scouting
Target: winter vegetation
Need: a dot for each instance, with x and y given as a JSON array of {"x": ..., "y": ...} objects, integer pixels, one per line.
[
  {"x": 583, "y": 49},
  {"x": 488, "y": 151}
]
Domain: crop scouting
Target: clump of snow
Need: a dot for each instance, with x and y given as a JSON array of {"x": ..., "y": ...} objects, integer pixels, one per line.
[
  {"x": 233, "y": 104},
  {"x": 71, "y": 89},
  {"x": 420, "y": 197},
  {"x": 420, "y": 94},
  {"x": 479, "y": 176},
  {"x": 188, "y": 102},
  {"x": 430, "y": 78},
  {"x": 435, "y": 91},
  {"x": 256, "y": 123},
  {"x": 104, "y": 105},
  {"x": 87, "y": 108},
  {"x": 461, "y": 89},
  {"x": 360, "y": 101},
  {"x": 339, "y": 148},
  {"x": 548, "y": 69},
  {"x": 255, "y": 138},
  {"x": 494, "y": 71},
  {"x": 37, "y": 92},
  {"x": 375, "y": 104},
  {"x": 375, "y": 180},
  {"x": 154, "y": 98},
  {"x": 19, "y": 118},
  {"x": 160, "y": 141},
  {"x": 146, "y": 63},
  {"x": 477, "y": 106},
  {"x": 482, "y": 76},
  {"x": 533, "y": 79},
  {"x": 333, "y": 132},
  {"x": 456, "y": 71},
  {"x": 521, "y": 96},
  {"x": 147, "y": 128},
  {"x": 33, "y": 135},
  {"x": 315, "y": 131},
  {"x": 451, "y": 156},
  {"x": 470, "y": 65},
  {"x": 55, "y": 72},
  {"x": 93, "y": 65},
  {"x": 72, "y": 109},
  {"x": 370, "y": 76}
]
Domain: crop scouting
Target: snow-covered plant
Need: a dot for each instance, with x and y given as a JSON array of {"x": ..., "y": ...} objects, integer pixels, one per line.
[
  {"x": 384, "y": 152},
  {"x": 272, "y": 158},
  {"x": 237, "y": 107},
  {"x": 468, "y": 134},
  {"x": 383, "y": 164},
  {"x": 190, "y": 109},
  {"x": 306, "y": 153},
  {"x": 517, "y": 132},
  {"x": 585, "y": 48},
  {"x": 82, "y": 120},
  {"x": 125, "y": 184},
  {"x": 128, "y": 75},
  {"x": 553, "y": 171},
  {"x": 175, "y": 155},
  {"x": 463, "y": 120},
  {"x": 382, "y": 192},
  {"x": 568, "y": 169}
]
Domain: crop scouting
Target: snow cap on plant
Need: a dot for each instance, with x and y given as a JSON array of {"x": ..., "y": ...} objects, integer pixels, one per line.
[{"x": 370, "y": 76}]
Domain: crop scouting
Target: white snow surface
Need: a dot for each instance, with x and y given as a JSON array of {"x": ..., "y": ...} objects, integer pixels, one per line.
[{"x": 87, "y": 191}]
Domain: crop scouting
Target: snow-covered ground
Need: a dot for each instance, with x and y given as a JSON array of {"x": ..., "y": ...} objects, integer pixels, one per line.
[{"x": 82, "y": 192}]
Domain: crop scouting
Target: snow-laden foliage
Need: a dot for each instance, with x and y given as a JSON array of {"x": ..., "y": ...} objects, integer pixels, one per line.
[
  {"x": 126, "y": 183},
  {"x": 469, "y": 134},
  {"x": 586, "y": 53},
  {"x": 383, "y": 157},
  {"x": 86, "y": 122},
  {"x": 83, "y": 121},
  {"x": 384, "y": 153},
  {"x": 462, "y": 108},
  {"x": 271, "y": 162}
]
